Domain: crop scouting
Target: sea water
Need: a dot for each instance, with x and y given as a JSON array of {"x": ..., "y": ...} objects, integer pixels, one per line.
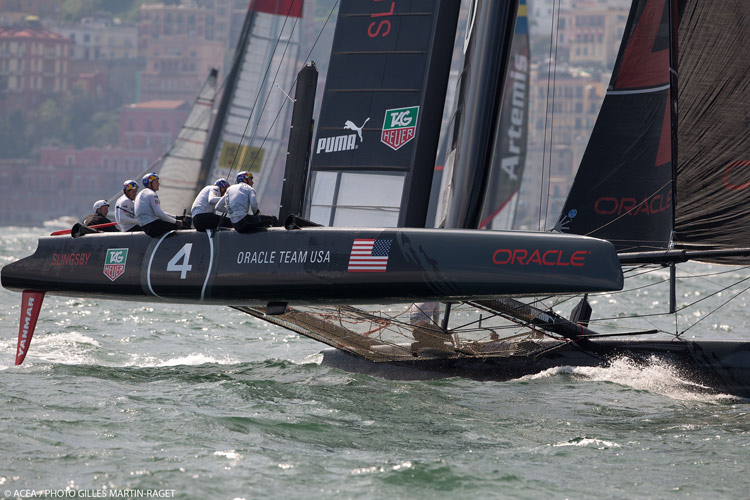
[{"x": 126, "y": 399}]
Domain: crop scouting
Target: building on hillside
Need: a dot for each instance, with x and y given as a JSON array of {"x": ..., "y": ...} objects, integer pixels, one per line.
[
  {"x": 95, "y": 164},
  {"x": 15, "y": 11},
  {"x": 152, "y": 124},
  {"x": 560, "y": 123},
  {"x": 34, "y": 65},
  {"x": 100, "y": 38},
  {"x": 592, "y": 32},
  {"x": 94, "y": 82},
  {"x": 543, "y": 12},
  {"x": 66, "y": 181},
  {"x": 181, "y": 43},
  {"x": 573, "y": 106}
]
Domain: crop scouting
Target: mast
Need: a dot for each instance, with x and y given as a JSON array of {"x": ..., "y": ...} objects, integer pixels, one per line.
[
  {"x": 298, "y": 153},
  {"x": 487, "y": 47},
  {"x": 673, "y": 94}
]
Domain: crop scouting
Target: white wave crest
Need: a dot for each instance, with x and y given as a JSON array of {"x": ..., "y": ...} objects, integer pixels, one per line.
[
  {"x": 187, "y": 360},
  {"x": 655, "y": 375},
  {"x": 600, "y": 444}
]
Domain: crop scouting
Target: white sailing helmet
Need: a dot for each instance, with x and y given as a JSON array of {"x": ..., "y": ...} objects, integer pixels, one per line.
[{"x": 99, "y": 204}]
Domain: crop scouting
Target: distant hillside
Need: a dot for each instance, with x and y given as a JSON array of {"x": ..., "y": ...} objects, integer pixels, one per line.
[{"x": 127, "y": 10}]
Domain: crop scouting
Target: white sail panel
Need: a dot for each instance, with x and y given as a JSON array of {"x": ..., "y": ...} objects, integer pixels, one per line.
[
  {"x": 254, "y": 129},
  {"x": 356, "y": 199},
  {"x": 180, "y": 171}
]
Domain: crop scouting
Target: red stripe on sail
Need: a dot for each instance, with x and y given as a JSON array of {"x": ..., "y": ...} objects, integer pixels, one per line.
[
  {"x": 31, "y": 304},
  {"x": 733, "y": 186},
  {"x": 291, "y": 8},
  {"x": 641, "y": 66},
  {"x": 488, "y": 220},
  {"x": 664, "y": 154}
]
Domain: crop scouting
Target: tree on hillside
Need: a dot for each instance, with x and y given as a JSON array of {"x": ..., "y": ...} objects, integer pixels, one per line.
[{"x": 75, "y": 10}]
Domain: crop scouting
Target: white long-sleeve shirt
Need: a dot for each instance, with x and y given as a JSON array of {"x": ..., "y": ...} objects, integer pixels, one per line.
[
  {"x": 148, "y": 209},
  {"x": 125, "y": 213},
  {"x": 205, "y": 202},
  {"x": 238, "y": 201}
]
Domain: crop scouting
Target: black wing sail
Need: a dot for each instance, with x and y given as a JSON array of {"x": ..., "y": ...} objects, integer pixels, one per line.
[
  {"x": 374, "y": 152},
  {"x": 623, "y": 189},
  {"x": 713, "y": 181}
]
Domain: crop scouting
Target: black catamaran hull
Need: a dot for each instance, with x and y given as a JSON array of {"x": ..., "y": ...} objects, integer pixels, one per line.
[
  {"x": 713, "y": 366},
  {"x": 316, "y": 266}
]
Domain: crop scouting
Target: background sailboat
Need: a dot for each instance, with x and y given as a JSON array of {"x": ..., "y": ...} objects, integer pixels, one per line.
[
  {"x": 181, "y": 169},
  {"x": 252, "y": 121},
  {"x": 250, "y": 126},
  {"x": 666, "y": 169}
]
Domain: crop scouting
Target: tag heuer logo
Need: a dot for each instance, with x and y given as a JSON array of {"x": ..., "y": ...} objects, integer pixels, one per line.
[
  {"x": 114, "y": 264},
  {"x": 399, "y": 126}
]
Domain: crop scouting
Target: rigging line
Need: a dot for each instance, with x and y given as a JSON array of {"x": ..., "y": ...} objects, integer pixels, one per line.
[
  {"x": 686, "y": 306},
  {"x": 631, "y": 273},
  {"x": 711, "y": 295},
  {"x": 294, "y": 82},
  {"x": 635, "y": 315},
  {"x": 709, "y": 314},
  {"x": 257, "y": 96},
  {"x": 552, "y": 43},
  {"x": 687, "y": 276},
  {"x": 704, "y": 279},
  {"x": 640, "y": 287},
  {"x": 361, "y": 207},
  {"x": 273, "y": 83}
]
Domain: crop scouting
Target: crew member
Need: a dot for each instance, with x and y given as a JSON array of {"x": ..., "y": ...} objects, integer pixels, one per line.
[
  {"x": 204, "y": 207},
  {"x": 424, "y": 317},
  {"x": 125, "y": 208},
  {"x": 101, "y": 209},
  {"x": 241, "y": 205},
  {"x": 154, "y": 221}
]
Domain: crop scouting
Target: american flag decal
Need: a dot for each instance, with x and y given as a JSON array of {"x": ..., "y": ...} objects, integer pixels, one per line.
[{"x": 369, "y": 256}]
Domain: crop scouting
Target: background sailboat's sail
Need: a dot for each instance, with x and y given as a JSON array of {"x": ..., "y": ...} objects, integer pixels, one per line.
[
  {"x": 373, "y": 156},
  {"x": 181, "y": 168},
  {"x": 509, "y": 150},
  {"x": 713, "y": 181},
  {"x": 623, "y": 189},
  {"x": 252, "y": 122},
  {"x": 477, "y": 135}
]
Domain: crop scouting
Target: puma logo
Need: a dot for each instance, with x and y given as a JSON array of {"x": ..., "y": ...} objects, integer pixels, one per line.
[
  {"x": 349, "y": 125},
  {"x": 346, "y": 142}
]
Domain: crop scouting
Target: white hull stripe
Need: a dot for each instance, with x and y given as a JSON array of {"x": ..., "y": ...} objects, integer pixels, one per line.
[
  {"x": 210, "y": 262},
  {"x": 150, "y": 261}
]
